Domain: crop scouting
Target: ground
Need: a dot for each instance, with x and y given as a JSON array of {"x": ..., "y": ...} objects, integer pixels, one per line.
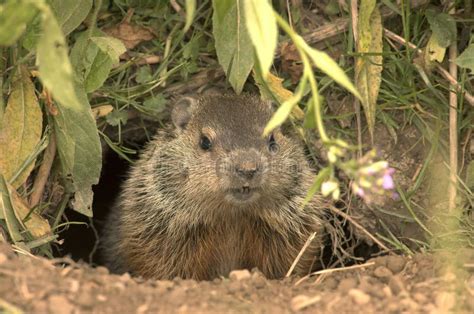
[{"x": 389, "y": 284}]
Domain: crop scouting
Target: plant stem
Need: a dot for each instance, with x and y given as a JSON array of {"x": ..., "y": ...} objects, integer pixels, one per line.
[{"x": 308, "y": 74}]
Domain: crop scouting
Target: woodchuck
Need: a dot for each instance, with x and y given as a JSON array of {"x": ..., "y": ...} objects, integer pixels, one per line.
[{"x": 210, "y": 194}]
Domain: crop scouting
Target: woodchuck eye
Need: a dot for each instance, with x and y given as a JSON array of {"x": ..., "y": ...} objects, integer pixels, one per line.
[
  {"x": 205, "y": 143},
  {"x": 273, "y": 147}
]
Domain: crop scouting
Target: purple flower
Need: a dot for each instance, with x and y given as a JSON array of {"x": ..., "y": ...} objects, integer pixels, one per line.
[
  {"x": 373, "y": 180},
  {"x": 387, "y": 181}
]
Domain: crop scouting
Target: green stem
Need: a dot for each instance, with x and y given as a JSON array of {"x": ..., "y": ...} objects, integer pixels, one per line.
[{"x": 307, "y": 74}]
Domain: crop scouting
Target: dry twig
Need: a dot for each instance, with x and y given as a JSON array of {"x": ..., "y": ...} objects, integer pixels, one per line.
[
  {"x": 359, "y": 226},
  {"x": 43, "y": 172},
  {"x": 297, "y": 259},
  {"x": 333, "y": 270}
]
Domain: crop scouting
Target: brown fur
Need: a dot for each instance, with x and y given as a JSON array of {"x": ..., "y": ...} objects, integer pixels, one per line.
[{"x": 174, "y": 217}]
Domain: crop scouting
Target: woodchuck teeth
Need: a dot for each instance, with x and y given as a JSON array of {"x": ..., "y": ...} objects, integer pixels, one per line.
[{"x": 245, "y": 190}]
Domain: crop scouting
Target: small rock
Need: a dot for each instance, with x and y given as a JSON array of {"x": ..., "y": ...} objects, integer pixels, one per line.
[
  {"x": 359, "y": 296},
  {"x": 85, "y": 298},
  {"x": 419, "y": 298},
  {"x": 301, "y": 301},
  {"x": 40, "y": 306},
  {"x": 445, "y": 301},
  {"x": 330, "y": 283},
  {"x": 234, "y": 287},
  {"x": 383, "y": 272},
  {"x": 3, "y": 258},
  {"x": 387, "y": 292},
  {"x": 396, "y": 285},
  {"x": 59, "y": 304},
  {"x": 102, "y": 270},
  {"x": 73, "y": 285},
  {"x": 239, "y": 275},
  {"x": 101, "y": 298},
  {"x": 408, "y": 305},
  {"x": 125, "y": 277},
  {"x": 346, "y": 284},
  {"x": 258, "y": 280},
  {"x": 396, "y": 263},
  {"x": 142, "y": 309}
]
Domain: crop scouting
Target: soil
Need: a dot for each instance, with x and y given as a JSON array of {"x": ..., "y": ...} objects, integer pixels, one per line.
[{"x": 389, "y": 284}]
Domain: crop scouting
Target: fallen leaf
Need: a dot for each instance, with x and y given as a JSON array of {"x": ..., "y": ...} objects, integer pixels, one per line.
[
  {"x": 35, "y": 224},
  {"x": 275, "y": 84},
  {"x": 291, "y": 62},
  {"x": 434, "y": 52},
  {"x": 20, "y": 130},
  {"x": 131, "y": 35}
]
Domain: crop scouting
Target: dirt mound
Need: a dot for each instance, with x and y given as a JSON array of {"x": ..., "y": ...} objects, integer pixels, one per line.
[{"x": 388, "y": 284}]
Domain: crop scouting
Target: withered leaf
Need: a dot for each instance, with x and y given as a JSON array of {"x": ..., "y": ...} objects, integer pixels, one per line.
[{"x": 20, "y": 130}]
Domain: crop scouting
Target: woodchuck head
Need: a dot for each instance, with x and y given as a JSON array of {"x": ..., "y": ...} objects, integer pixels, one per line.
[{"x": 224, "y": 159}]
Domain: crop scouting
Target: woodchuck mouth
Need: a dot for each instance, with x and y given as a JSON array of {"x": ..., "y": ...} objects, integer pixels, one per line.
[{"x": 243, "y": 195}]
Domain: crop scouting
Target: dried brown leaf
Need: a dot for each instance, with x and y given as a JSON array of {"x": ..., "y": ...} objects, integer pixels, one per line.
[
  {"x": 130, "y": 34},
  {"x": 21, "y": 127}
]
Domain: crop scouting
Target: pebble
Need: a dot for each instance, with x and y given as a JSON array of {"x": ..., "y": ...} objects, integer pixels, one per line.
[
  {"x": 3, "y": 258},
  {"x": 125, "y": 277},
  {"x": 101, "y": 298},
  {"x": 85, "y": 298},
  {"x": 58, "y": 304},
  {"x": 395, "y": 263},
  {"x": 445, "y": 301},
  {"x": 302, "y": 301},
  {"x": 102, "y": 270},
  {"x": 383, "y": 273},
  {"x": 346, "y": 284},
  {"x": 239, "y": 275},
  {"x": 258, "y": 281},
  {"x": 359, "y": 296},
  {"x": 419, "y": 297},
  {"x": 330, "y": 283},
  {"x": 396, "y": 284}
]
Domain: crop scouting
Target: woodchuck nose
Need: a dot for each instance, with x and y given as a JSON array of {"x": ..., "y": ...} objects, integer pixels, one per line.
[{"x": 210, "y": 194}]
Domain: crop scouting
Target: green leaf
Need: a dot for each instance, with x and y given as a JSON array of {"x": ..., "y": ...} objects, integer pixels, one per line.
[
  {"x": 93, "y": 59},
  {"x": 143, "y": 75},
  {"x": 466, "y": 58},
  {"x": 55, "y": 68},
  {"x": 156, "y": 103},
  {"x": 32, "y": 34},
  {"x": 79, "y": 151},
  {"x": 262, "y": 27},
  {"x": 6, "y": 212},
  {"x": 233, "y": 45},
  {"x": 330, "y": 67},
  {"x": 284, "y": 110},
  {"x": 434, "y": 51},
  {"x": 111, "y": 46},
  {"x": 318, "y": 181},
  {"x": 117, "y": 117},
  {"x": 21, "y": 127},
  {"x": 29, "y": 220},
  {"x": 368, "y": 69},
  {"x": 221, "y": 8},
  {"x": 443, "y": 27},
  {"x": 15, "y": 15},
  {"x": 70, "y": 13},
  {"x": 190, "y": 11}
]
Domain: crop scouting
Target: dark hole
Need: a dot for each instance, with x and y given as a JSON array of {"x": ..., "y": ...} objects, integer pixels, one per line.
[{"x": 80, "y": 240}]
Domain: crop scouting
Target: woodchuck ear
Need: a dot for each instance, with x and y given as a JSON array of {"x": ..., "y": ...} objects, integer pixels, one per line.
[{"x": 182, "y": 112}]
